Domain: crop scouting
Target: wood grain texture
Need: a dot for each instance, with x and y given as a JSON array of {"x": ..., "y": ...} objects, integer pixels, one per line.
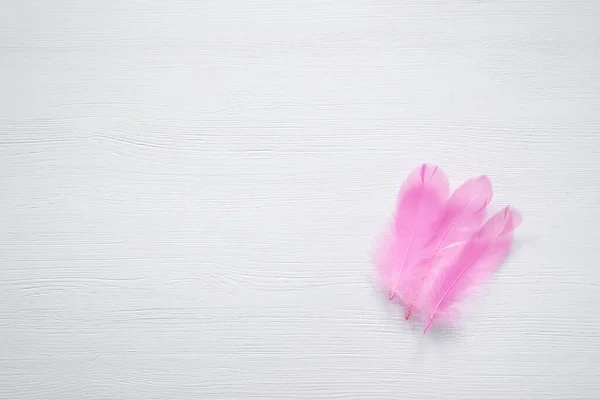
[{"x": 190, "y": 191}]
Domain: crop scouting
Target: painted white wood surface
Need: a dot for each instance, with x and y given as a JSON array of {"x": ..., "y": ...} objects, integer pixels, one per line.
[{"x": 190, "y": 190}]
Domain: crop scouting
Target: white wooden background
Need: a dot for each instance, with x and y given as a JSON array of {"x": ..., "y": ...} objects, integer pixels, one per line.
[{"x": 190, "y": 191}]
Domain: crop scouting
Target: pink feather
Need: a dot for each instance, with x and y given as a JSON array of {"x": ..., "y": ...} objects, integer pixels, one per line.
[
  {"x": 463, "y": 215},
  {"x": 479, "y": 258},
  {"x": 419, "y": 207}
]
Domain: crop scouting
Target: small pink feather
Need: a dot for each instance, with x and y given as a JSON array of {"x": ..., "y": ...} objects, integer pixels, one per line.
[
  {"x": 419, "y": 208},
  {"x": 479, "y": 258},
  {"x": 463, "y": 215}
]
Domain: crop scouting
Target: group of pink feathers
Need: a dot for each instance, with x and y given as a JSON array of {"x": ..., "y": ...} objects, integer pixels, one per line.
[{"x": 438, "y": 248}]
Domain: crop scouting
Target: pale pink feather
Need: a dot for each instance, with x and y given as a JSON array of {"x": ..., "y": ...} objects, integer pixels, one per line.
[
  {"x": 419, "y": 207},
  {"x": 479, "y": 259},
  {"x": 463, "y": 214}
]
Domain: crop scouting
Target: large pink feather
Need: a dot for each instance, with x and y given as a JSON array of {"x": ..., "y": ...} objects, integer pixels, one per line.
[
  {"x": 463, "y": 214},
  {"x": 418, "y": 210},
  {"x": 481, "y": 256}
]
